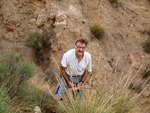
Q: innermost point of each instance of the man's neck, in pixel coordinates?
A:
(79, 58)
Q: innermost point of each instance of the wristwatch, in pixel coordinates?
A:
(82, 81)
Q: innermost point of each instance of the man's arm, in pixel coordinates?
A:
(63, 73)
(84, 76)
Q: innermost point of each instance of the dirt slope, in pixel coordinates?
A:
(125, 25)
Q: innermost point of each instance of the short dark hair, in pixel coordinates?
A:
(83, 41)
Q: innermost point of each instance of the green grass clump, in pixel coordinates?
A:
(107, 102)
(146, 45)
(97, 30)
(113, 1)
(5, 101)
(14, 71)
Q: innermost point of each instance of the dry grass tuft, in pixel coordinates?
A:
(97, 30)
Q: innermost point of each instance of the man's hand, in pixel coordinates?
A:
(71, 85)
(79, 85)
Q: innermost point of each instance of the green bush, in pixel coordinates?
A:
(113, 1)
(97, 30)
(14, 71)
(35, 41)
(5, 106)
(38, 42)
(146, 45)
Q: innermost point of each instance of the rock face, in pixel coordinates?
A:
(69, 20)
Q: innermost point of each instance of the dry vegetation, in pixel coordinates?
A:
(97, 30)
(117, 99)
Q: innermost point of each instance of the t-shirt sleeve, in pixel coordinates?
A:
(89, 66)
(64, 61)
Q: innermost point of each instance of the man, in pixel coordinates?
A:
(75, 65)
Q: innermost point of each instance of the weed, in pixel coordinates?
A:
(97, 30)
(146, 45)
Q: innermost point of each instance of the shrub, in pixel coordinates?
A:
(35, 41)
(14, 71)
(97, 30)
(113, 1)
(33, 96)
(20, 97)
(40, 44)
(38, 41)
(50, 76)
(146, 45)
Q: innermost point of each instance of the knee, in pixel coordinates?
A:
(57, 98)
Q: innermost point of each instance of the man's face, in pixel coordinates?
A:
(80, 48)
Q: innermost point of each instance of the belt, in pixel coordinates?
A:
(74, 79)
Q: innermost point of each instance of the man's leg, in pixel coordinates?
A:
(54, 104)
(79, 94)
(59, 94)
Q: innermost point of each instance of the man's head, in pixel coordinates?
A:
(80, 46)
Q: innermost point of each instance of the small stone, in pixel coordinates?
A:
(37, 110)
